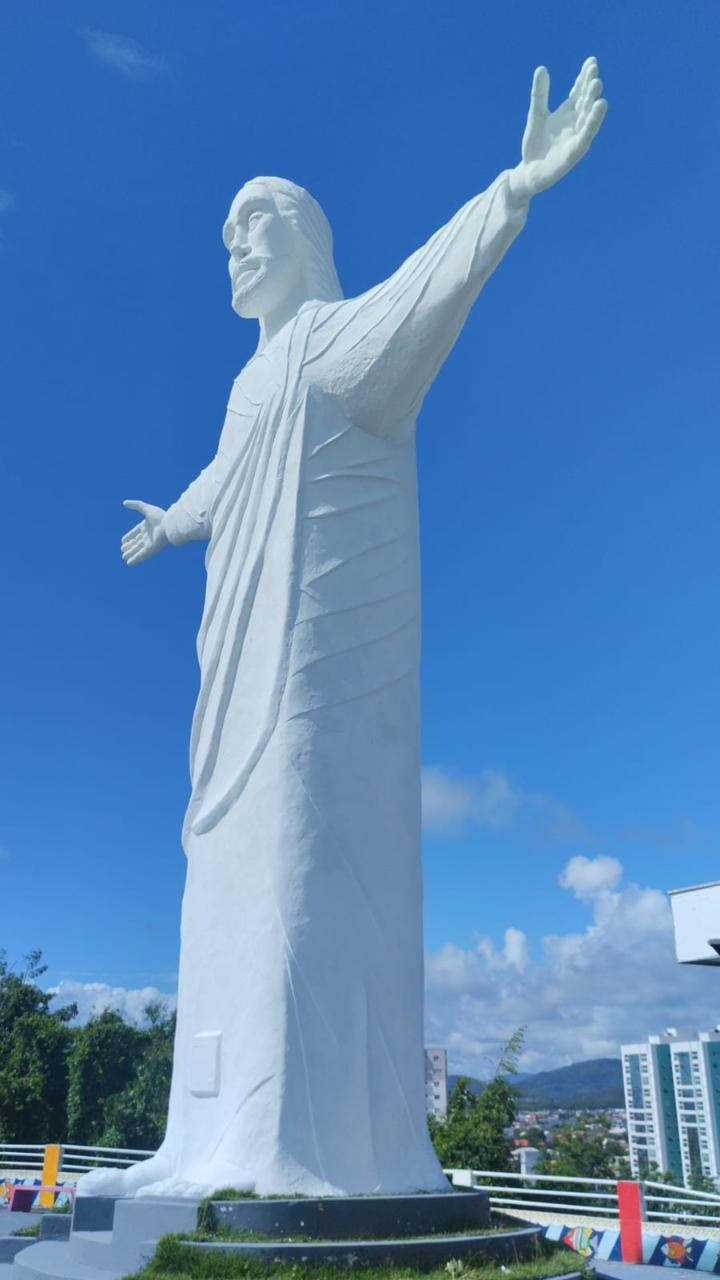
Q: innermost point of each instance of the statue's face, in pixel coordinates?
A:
(266, 263)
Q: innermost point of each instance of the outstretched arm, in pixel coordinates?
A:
(379, 353)
(187, 520)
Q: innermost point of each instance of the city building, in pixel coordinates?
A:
(653, 1134)
(672, 1098)
(436, 1083)
(696, 1073)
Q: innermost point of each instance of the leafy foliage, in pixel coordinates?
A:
(104, 1084)
(473, 1134)
(34, 1044)
(582, 1151)
(120, 1080)
(101, 1064)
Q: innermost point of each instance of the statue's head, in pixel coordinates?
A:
(280, 244)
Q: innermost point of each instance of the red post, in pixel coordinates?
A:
(631, 1207)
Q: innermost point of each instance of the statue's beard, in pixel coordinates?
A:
(247, 284)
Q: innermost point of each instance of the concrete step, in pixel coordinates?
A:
(140, 1223)
(51, 1261)
(92, 1248)
(109, 1255)
(10, 1246)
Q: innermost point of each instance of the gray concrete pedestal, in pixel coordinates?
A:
(110, 1238)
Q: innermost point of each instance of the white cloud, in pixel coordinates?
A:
(92, 998)
(446, 802)
(492, 800)
(589, 878)
(125, 55)
(586, 993)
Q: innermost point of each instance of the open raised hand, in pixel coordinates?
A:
(554, 141)
(146, 538)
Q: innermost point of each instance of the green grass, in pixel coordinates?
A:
(28, 1231)
(173, 1261)
(232, 1193)
(209, 1232)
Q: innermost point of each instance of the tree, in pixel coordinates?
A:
(137, 1116)
(535, 1136)
(104, 1084)
(473, 1134)
(34, 1044)
(580, 1151)
(103, 1061)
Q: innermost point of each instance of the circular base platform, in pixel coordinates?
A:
(414, 1250)
(358, 1216)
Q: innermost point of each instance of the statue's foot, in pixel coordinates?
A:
(198, 1180)
(174, 1188)
(124, 1182)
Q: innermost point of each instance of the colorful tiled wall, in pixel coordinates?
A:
(658, 1250)
(7, 1184)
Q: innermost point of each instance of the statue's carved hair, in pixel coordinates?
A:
(307, 217)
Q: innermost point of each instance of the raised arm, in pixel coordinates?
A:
(187, 520)
(380, 353)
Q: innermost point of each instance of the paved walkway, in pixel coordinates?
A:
(627, 1270)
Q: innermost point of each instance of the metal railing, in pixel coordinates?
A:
(546, 1192)
(519, 1193)
(21, 1156)
(29, 1157)
(676, 1204)
(588, 1197)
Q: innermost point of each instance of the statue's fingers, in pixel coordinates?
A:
(132, 504)
(540, 92)
(597, 114)
(135, 537)
(588, 71)
(592, 91)
(588, 130)
(134, 532)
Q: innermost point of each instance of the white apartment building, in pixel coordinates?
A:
(436, 1083)
(672, 1099)
(696, 1075)
(653, 1135)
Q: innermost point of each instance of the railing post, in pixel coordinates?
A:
(50, 1171)
(631, 1207)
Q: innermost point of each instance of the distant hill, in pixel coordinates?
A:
(591, 1084)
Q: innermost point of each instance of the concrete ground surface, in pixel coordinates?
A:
(10, 1222)
(630, 1271)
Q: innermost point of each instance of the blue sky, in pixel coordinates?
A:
(568, 467)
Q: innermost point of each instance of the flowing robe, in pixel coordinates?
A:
(299, 1052)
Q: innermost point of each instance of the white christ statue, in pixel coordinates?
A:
(298, 1063)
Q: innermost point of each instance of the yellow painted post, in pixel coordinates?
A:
(51, 1170)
